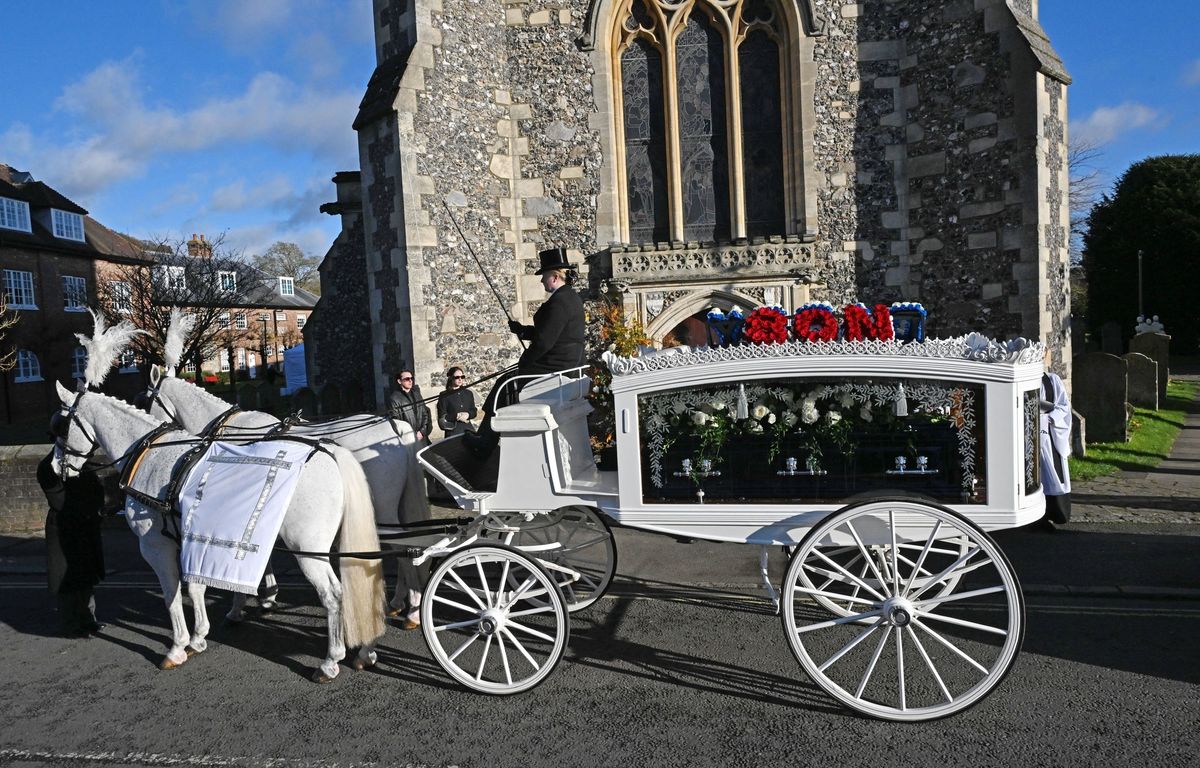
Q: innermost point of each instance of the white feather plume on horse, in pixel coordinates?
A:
(178, 329)
(104, 346)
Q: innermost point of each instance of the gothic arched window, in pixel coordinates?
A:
(701, 91)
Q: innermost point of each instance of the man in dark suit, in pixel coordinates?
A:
(555, 342)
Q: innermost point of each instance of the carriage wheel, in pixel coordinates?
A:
(586, 546)
(852, 560)
(494, 619)
(913, 649)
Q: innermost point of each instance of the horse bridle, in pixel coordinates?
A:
(155, 393)
(60, 427)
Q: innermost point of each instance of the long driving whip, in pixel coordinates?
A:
(482, 271)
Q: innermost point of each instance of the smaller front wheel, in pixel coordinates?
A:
(494, 619)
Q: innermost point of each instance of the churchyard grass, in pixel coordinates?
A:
(1152, 434)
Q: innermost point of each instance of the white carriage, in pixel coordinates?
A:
(878, 466)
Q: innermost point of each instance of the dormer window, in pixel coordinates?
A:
(67, 225)
(227, 281)
(287, 286)
(14, 214)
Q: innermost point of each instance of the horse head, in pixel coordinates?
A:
(74, 439)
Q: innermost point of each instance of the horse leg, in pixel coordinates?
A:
(237, 609)
(406, 600)
(198, 642)
(267, 591)
(167, 571)
(321, 575)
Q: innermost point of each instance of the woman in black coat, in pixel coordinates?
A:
(456, 404)
(74, 553)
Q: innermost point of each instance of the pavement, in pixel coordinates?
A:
(1140, 532)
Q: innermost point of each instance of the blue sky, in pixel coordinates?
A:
(230, 116)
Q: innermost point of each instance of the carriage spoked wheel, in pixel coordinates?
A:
(494, 619)
(830, 581)
(937, 621)
(584, 545)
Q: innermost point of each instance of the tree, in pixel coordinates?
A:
(1086, 185)
(1154, 209)
(201, 277)
(8, 356)
(288, 260)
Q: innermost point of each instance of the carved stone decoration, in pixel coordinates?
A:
(815, 23)
(683, 264)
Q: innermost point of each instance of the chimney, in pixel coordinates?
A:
(199, 248)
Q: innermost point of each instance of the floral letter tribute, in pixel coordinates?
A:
(766, 325)
(861, 323)
(815, 322)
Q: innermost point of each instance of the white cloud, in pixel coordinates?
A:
(267, 193)
(1191, 77)
(1107, 123)
(118, 134)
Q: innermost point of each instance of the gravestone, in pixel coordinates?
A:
(1110, 338)
(1099, 391)
(352, 399)
(1143, 380)
(330, 400)
(304, 401)
(1155, 346)
(247, 396)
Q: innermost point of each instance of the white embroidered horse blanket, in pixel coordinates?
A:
(232, 506)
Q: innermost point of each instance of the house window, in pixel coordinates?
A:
(223, 320)
(171, 278)
(121, 294)
(67, 225)
(227, 281)
(239, 321)
(14, 214)
(287, 286)
(189, 367)
(241, 359)
(703, 155)
(18, 286)
(28, 367)
(223, 357)
(127, 363)
(74, 293)
(78, 363)
(281, 317)
(301, 320)
(263, 316)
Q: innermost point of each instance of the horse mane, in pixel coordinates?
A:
(178, 329)
(104, 346)
(126, 409)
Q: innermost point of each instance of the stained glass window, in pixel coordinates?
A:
(645, 143)
(704, 171)
(762, 134)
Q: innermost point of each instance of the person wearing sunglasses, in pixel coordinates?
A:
(456, 404)
(405, 403)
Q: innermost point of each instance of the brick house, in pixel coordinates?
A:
(52, 256)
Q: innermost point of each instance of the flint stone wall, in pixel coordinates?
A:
(927, 181)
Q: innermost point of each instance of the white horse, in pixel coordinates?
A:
(386, 448)
(331, 493)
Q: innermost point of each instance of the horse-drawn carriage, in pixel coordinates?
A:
(877, 466)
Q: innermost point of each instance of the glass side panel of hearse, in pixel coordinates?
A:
(813, 441)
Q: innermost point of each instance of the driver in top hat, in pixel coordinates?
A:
(555, 339)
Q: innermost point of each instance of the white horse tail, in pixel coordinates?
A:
(362, 580)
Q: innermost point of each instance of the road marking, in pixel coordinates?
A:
(154, 759)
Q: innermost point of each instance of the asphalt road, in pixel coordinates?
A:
(682, 665)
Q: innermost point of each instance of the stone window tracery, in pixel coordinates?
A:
(702, 93)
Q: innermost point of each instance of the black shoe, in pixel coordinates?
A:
(95, 628)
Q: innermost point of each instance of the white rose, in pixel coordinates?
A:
(846, 400)
(699, 418)
(759, 411)
(834, 417)
(755, 428)
(790, 419)
(771, 419)
(865, 413)
(809, 413)
(717, 405)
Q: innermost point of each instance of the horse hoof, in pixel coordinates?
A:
(358, 665)
(166, 663)
(320, 677)
(190, 651)
(235, 620)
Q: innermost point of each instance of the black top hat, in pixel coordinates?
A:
(553, 258)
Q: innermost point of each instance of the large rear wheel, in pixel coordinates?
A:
(926, 623)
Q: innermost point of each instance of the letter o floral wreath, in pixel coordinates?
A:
(766, 325)
(815, 324)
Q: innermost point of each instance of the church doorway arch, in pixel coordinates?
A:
(684, 321)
